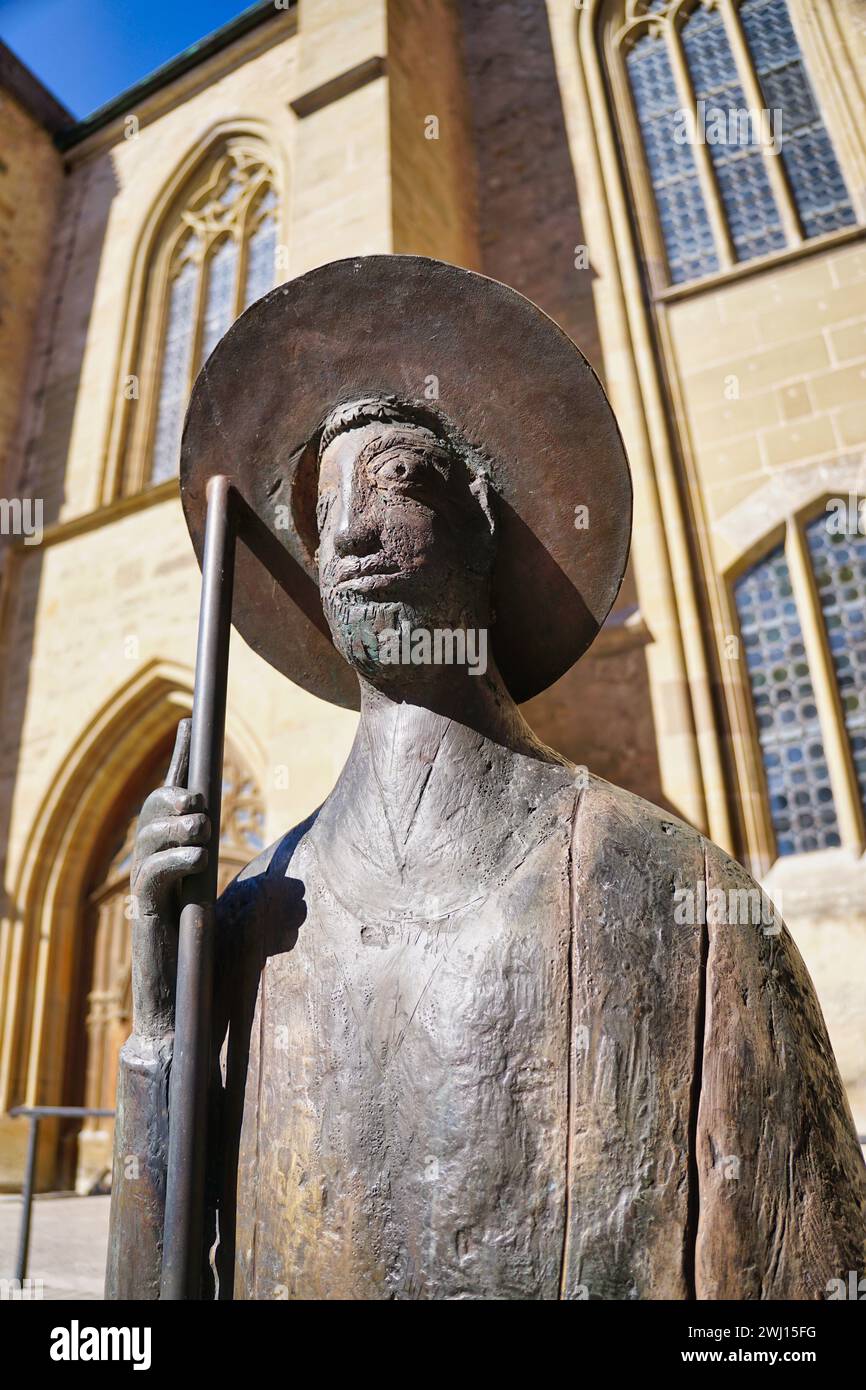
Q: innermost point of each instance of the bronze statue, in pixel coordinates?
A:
(470, 1040)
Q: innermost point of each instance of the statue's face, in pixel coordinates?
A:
(402, 538)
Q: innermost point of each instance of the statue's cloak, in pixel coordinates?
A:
(591, 1082)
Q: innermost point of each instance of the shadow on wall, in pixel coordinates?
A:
(530, 229)
(599, 714)
(529, 221)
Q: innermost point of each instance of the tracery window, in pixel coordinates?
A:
(738, 157)
(214, 257)
(839, 562)
(802, 808)
(814, 583)
(810, 162)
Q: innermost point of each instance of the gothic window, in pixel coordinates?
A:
(744, 188)
(810, 162)
(822, 591)
(215, 256)
(673, 172)
(176, 358)
(798, 782)
(738, 158)
(242, 820)
(839, 563)
(261, 247)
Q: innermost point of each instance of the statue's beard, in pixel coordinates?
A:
(363, 633)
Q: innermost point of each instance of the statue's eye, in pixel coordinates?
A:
(401, 468)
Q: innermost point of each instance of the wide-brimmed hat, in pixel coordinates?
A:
(510, 382)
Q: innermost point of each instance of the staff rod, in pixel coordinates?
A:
(182, 1256)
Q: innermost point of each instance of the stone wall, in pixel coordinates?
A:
(31, 179)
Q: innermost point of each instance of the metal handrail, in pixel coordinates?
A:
(35, 1113)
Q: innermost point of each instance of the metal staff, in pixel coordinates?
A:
(190, 1068)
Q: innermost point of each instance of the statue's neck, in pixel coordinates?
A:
(435, 790)
(475, 714)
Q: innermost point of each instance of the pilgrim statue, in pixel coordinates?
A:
(470, 1041)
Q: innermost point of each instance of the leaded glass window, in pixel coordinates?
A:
(802, 808)
(810, 162)
(681, 210)
(839, 565)
(176, 357)
(261, 248)
(720, 93)
(220, 252)
(744, 188)
(219, 306)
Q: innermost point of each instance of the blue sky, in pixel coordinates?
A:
(88, 51)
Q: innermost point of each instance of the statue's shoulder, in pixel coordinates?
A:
(614, 822)
(618, 807)
(654, 856)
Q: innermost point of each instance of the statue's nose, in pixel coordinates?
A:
(359, 535)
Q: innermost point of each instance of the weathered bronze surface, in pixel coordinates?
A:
(471, 1044)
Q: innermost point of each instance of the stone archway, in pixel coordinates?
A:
(100, 1006)
(101, 1014)
(70, 832)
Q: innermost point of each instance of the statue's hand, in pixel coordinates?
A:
(170, 844)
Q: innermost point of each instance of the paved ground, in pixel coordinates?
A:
(68, 1239)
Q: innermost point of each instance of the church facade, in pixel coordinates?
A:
(681, 184)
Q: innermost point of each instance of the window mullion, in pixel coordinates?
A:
(207, 243)
(656, 249)
(703, 161)
(757, 823)
(242, 233)
(755, 97)
(837, 748)
(150, 365)
(240, 271)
